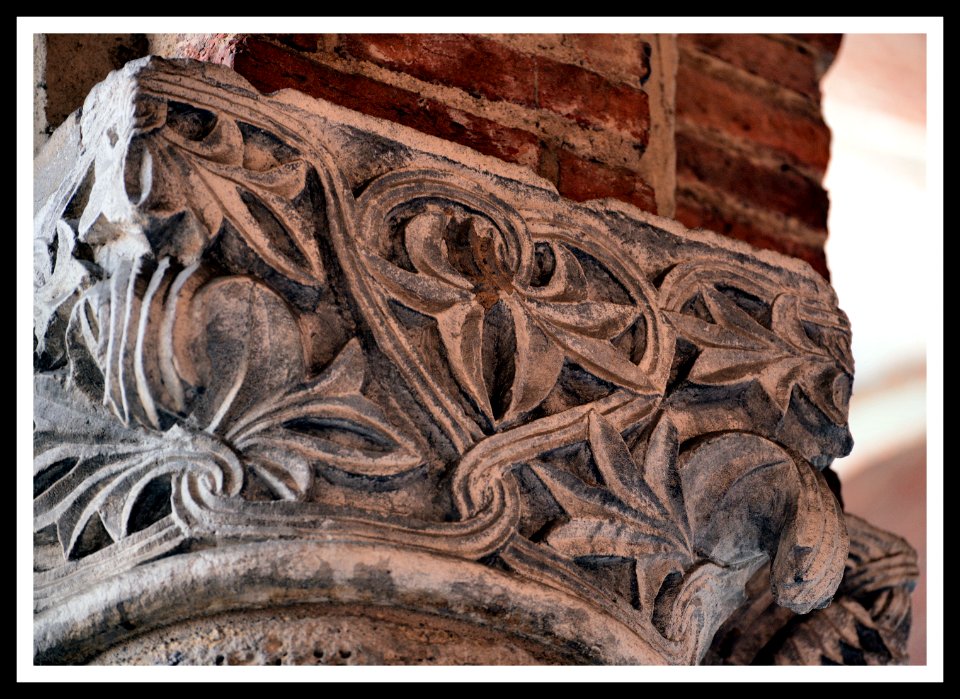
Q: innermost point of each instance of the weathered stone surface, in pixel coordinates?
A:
(299, 370)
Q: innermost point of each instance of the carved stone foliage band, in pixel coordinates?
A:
(270, 320)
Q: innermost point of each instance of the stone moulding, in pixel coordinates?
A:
(295, 364)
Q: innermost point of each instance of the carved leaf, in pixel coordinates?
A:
(602, 358)
(746, 497)
(813, 547)
(599, 319)
(461, 329)
(200, 170)
(605, 537)
(87, 465)
(326, 421)
(736, 349)
(866, 624)
(634, 515)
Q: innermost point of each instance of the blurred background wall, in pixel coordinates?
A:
(874, 100)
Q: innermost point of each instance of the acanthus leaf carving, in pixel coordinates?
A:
(725, 505)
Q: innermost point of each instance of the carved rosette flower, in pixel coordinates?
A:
(495, 291)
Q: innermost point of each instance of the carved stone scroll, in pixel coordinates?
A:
(297, 369)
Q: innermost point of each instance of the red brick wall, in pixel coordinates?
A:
(752, 146)
(570, 107)
(592, 113)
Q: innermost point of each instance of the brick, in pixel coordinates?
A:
(302, 42)
(694, 213)
(793, 66)
(781, 189)
(486, 68)
(828, 44)
(213, 48)
(479, 66)
(580, 179)
(270, 67)
(591, 100)
(710, 101)
(625, 56)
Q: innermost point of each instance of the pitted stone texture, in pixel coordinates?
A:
(330, 636)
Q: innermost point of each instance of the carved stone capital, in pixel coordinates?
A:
(298, 370)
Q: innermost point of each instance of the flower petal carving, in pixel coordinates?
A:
(466, 268)
(537, 363)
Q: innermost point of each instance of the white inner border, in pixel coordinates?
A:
(930, 283)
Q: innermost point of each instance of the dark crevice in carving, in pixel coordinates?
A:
(394, 247)
(540, 510)
(767, 654)
(833, 481)
(872, 642)
(80, 198)
(685, 356)
(137, 170)
(93, 538)
(576, 381)
(851, 655)
(272, 229)
(613, 573)
(495, 561)
(343, 432)
(664, 601)
(233, 255)
(50, 475)
(263, 150)
(193, 123)
(499, 350)
(600, 280)
(372, 484)
(544, 264)
(151, 505)
(696, 307)
(755, 307)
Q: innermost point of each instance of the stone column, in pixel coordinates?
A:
(315, 387)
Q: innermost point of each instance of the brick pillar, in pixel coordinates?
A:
(744, 156)
(752, 146)
(573, 108)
